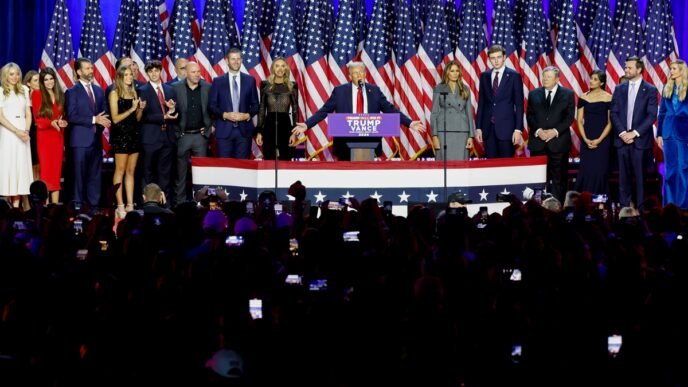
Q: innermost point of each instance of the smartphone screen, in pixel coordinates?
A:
(614, 345)
(212, 191)
(350, 236)
(278, 208)
(294, 246)
(234, 240)
(249, 208)
(317, 285)
(255, 308)
(599, 198)
(293, 279)
(82, 254)
(516, 353)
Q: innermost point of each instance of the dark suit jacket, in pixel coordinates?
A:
(644, 114)
(340, 102)
(506, 107)
(673, 120)
(221, 101)
(80, 114)
(559, 116)
(153, 116)
(180, 89)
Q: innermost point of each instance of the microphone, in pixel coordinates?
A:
(360, 83)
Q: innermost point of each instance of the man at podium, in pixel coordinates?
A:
(355, 97)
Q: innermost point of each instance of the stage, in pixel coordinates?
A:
(401, 182)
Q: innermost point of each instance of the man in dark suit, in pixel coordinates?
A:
(634, 110)
(233, 102)
(194, 123)
(355, 97)
(85, 107)
(158, 138)
(551, 110)
(499, 120)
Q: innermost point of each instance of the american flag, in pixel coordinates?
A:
(58, 52)
(126, 29)
(345, 44)
(520, 8)
(587, 9)
(168, 70)
(416, 21)
(315, 76)
(586, 15)
(149, 42)
(94, 46)
(660, 42)
(627, 41)
(182, 30)
(408, 94)
(472, 50)
(600, 37)
(214, 42)
(231, 24)
(453, 23)
(503, 33)
(252, 44)
(298, 9)
(434, 52)
(377, 57)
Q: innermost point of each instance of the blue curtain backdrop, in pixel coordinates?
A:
(24, 24)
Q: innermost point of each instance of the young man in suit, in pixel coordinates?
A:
(158, 138)
(194, 124)
(551, 110)
(634, 110)
(85, 109)
(355, 97)
(499, 122)
(234, 102)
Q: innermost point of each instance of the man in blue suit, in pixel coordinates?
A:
(233, 101)
(634, 110)
(158, 139)
(500, 107)
(355, 97)
(85, 108)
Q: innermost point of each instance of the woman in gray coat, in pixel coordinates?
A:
(451, 105)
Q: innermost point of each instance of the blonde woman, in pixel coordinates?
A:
(278, 111)
(126, 109)
(451, 111)
(672, 135)
(16, 172)
(48, 111)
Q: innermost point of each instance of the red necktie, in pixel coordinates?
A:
(91, 98)
(161, 99)
(359, 101)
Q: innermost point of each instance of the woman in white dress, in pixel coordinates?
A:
(16, 173)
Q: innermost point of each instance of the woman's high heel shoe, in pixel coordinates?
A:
(130, 208)
(120, 212)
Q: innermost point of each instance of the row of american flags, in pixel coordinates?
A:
(405, 45)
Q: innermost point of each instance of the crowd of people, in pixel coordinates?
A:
(169, 123)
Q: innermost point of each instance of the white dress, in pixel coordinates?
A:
(16, 174)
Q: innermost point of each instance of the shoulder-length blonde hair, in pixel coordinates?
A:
(4, 74)
(287, 75)
(463, 90)
(46, 109)
(121, 89)
(669, 88)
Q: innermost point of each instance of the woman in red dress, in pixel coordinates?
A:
(48, 108)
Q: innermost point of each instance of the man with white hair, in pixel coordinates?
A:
(355, 97)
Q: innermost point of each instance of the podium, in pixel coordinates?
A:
(363, 132)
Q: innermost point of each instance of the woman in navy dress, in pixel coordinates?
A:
(672, 135)
(594, 125)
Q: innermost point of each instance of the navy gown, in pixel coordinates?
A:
(593, 172)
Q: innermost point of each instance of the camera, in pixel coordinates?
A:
(234, 240)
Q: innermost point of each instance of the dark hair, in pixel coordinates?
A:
(601, 75)
(46, 109)
(638, 63)
(153, 64)
(78, 63)
(496, 48)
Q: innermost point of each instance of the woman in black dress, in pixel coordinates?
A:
(594, 125)
(278, 111)
(126, 109)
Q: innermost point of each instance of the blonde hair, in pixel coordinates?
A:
(287, 76)
(463, 90)
(4, 74)
(669, 88)
(120, 87)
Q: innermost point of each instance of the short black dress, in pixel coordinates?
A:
(125, 136)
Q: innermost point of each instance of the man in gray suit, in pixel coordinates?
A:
(194, 123)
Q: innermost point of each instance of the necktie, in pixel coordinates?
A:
(631, 104)
(235, 94)
(495, 83)
(549, 98)
(91, 98)
(359, 101)
(161, 99)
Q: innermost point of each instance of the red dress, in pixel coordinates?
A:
(49, 144)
